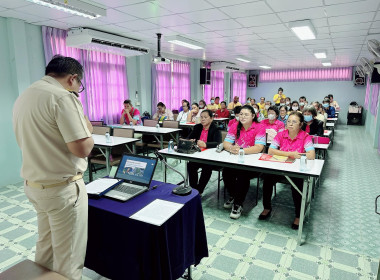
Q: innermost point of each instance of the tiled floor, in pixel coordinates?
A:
(342, 236)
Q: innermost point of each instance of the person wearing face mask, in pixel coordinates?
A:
(333, 102)
(283, 117)
(311, 124)
(330, 110)
(207, 135)
(288, 103)
(258, 114)
(282, 102)
(212, 106)
(294, 108)
(234, 103)
(236, 119)
(291, 142)
(248, 101)
(249, 135)
(202, 104)
(320, 113)
(277, 97)
(265, 110)
(272, 125)
(302, 103)
(253, 101)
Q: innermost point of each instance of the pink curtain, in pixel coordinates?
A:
(216, 88)
(367, 93)
(374, 99)
(105, 76)
(161, 85)
(299, 75)
(181, 84)
(239, 85)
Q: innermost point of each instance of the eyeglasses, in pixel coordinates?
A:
(292, 122)
(81, 88)
(245, 115)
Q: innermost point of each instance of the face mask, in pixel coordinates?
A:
(237, 118)
(212, 101)
(267, 107)
(201, 106)
(302, 104)
(326, 105)
(287, 102)
(308, 118)
(294, 108)
(282, 104)
(288, 107)
(271, 117)
(255, 110)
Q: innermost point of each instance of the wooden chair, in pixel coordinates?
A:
(101, 130)
(30, 270)
(97, 123)
(130, 133)
(175, 116)
(149, 122)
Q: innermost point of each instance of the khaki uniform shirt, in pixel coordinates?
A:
(232, 105)
(46, 117)
(213, 106)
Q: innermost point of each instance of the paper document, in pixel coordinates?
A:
(157, 212)
(100, 185)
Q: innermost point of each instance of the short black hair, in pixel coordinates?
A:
(326, 100)
(195, 103)
(61, 66)
(207, 111)
(127, 101)
(275, 109)
(303, 97)
(224, 102)
(187, 103)
(283, 106)
(237, 110)
(330, 95)
(311, 109)
(298, 114)
(280, 89)
(217, 97)
(160, 104)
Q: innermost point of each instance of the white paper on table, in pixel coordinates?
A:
(157, 212)
(100, 185)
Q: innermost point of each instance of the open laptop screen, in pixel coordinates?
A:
(136, 169)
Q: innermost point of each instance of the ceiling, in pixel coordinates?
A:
(256, 30)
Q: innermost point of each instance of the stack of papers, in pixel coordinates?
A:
(99, 186)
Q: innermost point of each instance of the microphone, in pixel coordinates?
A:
(180, 190)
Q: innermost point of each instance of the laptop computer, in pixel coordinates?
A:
(135, 174)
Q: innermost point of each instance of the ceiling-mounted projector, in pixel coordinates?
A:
(159, 59)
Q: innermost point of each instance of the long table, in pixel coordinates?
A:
(252, 163)
(120, 247)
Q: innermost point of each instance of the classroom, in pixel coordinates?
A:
(247, 131)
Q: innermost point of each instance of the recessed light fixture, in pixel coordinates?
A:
(304, 29)
(243, 59)
(320, 54)
(185, 42)
(326, 63)
(75, 7)
(265, 67)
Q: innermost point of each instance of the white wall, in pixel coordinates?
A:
(344, 92)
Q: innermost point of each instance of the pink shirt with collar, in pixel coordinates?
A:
(277, 125)
(248, 138)
(302, 143)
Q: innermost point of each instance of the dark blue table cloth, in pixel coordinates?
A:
(122, 248)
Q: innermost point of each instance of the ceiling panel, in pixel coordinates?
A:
(137, 25)
(248, 9)
(311, 13)
(352, 8)
(288, 5)
(118, 3)
(114, 16)
(350, 27)
(270, 28)
(12, 4)
(221, 24)
(189, 28)
(145, 10)
(205, 15)
(167, 21)
(241, 32)
(350, 19)
(258, 20)
(185, 6)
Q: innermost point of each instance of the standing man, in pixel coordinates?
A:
(55, 139)
(277, 97)
(234, 103)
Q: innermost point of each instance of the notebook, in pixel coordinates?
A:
(135, 174)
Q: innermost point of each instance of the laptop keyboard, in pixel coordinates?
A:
(128, 189)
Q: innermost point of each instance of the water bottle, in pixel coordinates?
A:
(241, 156)
(171, 146)
(108, 138)
(158, 127)
(303, 163)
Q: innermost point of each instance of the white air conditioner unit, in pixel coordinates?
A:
(224, 66)
(90, 39)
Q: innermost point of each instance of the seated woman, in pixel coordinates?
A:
(321, 115)
(312, 125)
(295, 107)
(330, 110)
(272, 125)
(292, 142)
(283, 117)
(207, 135)
(202, 104)
(130, 115)
(258, 114)
(195, 114)
(182, 116)
(235, 120)
(163, 113)
(248, 135)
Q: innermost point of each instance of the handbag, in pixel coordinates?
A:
(186, 146)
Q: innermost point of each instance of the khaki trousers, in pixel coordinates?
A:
(62, 227)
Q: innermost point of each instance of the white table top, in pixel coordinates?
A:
(327, 133)
(330, 124)
(321, 146)
(187, 124)
(314, 166)
(220, 119)
(332, 119)
(149, 129)
(100, 140)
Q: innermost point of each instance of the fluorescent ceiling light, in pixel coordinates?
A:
(326, 63)
(320, 54)
(75, 7)
(265, 67)
(243, 59)
(185, 42)
(303, 29)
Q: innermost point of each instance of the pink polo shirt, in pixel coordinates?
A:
(248, 138)
(277, 125)
(302, 143)
(204, 135)
(232, 122)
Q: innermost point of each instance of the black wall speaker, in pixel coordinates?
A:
(375, 78)
(205, 76)
(252, 80)
(359, 81)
